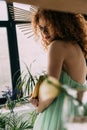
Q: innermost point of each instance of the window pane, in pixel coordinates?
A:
(31, 53)
(3, 11)
(5, 74)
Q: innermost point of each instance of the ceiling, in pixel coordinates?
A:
(78, 6)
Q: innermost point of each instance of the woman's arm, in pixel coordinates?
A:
(56, 57)
(55, 63)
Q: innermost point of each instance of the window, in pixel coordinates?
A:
(24, 50)
(3, 11)
(5, 74)
(31, 53)
(30, 50)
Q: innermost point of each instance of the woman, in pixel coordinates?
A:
(65, 37)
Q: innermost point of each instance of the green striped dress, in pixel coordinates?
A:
(51, 118)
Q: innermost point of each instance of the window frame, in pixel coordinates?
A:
(13, 49)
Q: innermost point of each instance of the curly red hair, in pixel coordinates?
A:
(68, 26)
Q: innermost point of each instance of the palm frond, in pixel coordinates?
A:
(20, 14)
(3, 120)
(18, 122)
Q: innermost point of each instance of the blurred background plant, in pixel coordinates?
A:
(19, 121)
(16, 121)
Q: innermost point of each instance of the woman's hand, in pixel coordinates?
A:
(80, 95)
(34, 101)
(40, 105)
(43, 105)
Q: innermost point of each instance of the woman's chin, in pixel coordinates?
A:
(48, 41)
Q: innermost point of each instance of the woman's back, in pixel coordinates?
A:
(75, 64)
(73, 61)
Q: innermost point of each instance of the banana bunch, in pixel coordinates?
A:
(37, 86)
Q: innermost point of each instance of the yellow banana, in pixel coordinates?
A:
(36, 90)
(37, 86)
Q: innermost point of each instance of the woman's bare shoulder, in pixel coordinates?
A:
(59, 43)
(58, 47)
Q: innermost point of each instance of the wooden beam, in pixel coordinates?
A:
(78, 6)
